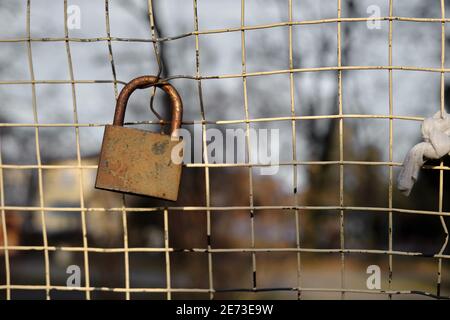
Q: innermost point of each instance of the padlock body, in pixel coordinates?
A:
(139, 162)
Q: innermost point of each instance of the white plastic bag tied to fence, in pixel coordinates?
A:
(436, 133)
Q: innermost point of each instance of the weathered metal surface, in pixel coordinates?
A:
(145, 82)
(138, 161)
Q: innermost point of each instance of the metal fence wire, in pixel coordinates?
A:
(210, 251)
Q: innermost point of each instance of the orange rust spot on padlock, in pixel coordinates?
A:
(137, 161)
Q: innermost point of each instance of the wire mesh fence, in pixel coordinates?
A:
(291, 205)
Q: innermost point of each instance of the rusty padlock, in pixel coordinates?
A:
(137, 161)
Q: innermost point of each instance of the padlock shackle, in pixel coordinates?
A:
(145, 82)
